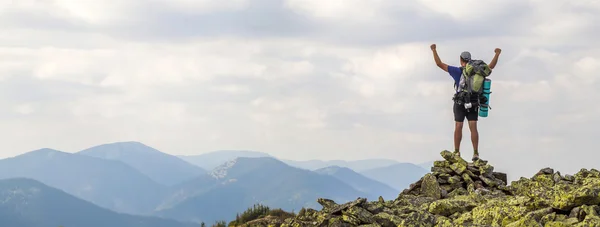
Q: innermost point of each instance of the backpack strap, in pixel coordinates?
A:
(467, 76)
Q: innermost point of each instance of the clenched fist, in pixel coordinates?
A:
(432, 46)
(497, 50)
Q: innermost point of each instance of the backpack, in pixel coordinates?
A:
(470, 86)
(473, 75)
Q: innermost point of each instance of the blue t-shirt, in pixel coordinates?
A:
(455, 72)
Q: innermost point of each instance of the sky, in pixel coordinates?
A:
(300, 79)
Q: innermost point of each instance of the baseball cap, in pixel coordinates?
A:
(465, 55)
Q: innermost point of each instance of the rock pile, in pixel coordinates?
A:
(458, 193)
(454, 176)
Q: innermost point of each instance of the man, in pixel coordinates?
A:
(460, 112)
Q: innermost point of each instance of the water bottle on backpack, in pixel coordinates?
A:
(483, 109)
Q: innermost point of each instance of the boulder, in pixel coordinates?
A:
(430, 187)
(447, 207)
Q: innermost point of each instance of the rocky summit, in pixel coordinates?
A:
(460, 193)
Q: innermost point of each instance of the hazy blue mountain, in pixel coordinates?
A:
(160, 167)
(189, 189)
(426, 165)
(361, 183)
(242, 182)
(30, 203)
(107, 183)
(213, 159)
(399, 176)
(357, 165)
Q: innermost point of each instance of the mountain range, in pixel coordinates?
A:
(110, 184)
(163, 168)
(396, 174)
(27, 202)
(356, 165)
(399, 175)
(242, 182)
(371, 187)
(135, 179)
(214, 159)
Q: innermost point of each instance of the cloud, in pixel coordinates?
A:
(299, 78)
(373, 23)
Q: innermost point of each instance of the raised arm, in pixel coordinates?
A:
(495, 59)
(438, 62)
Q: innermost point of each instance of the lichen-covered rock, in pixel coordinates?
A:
(386, 219)
(430, 187)
(447, 207)
(526, 221)
(587, 194)
(267, 221)
(418, 218)
(375, 207)
(411, 201)
(359, 214)
(459, 193)
(458, 167)
(548, 218)
(497, 213)
(501, 176)
(452, 158)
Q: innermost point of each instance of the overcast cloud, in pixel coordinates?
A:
(300, 79)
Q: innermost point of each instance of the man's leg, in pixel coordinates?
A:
(459, 118)
(474, 136)
(458, 127)
(472, 118)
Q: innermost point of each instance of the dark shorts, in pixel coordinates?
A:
(460, 113)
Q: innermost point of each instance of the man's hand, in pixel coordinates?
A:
(494, 61)
(438, 62)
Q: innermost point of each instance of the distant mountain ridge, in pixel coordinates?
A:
(399, 176)
(30, 203)
(160, 167)
(426, 165)
(242, 182)
(213, 159)
(361, 183)
(356, 165)
(110, 184)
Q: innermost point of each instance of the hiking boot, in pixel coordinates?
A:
(456, 153)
